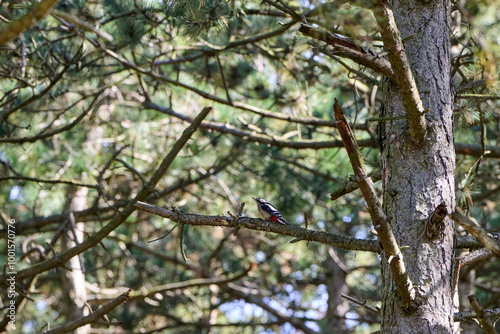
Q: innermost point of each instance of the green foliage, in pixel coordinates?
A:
(188, 52)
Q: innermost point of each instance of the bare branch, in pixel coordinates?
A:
(403, 283)
(35, 14)
(351, 186)
(402, 71)
(480, 234)
(466, 315)
(34, 179)
(92, 317)
(348, 49)
(480, 316)
(256, 137)
(147, 292)
(261, 225)
(118, 219)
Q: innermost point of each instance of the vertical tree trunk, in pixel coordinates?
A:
(418, 177)
(74, 281)
(336, 273)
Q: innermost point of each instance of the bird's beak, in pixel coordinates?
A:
(254, 198)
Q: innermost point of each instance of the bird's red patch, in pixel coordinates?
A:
(274, 219)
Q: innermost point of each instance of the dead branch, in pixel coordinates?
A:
(391, 249)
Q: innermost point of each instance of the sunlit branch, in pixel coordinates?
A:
(59, 259)
(34, 179)
(474, 229)
(34, 14)
(92, 317)
(390, 247)
(256, 137)
(467, 315)
(403, 76)
(208, 96)
(348, 49)
(148, 292)
(351, 186)
(261, 225)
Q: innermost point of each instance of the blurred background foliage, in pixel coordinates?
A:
(73, 112)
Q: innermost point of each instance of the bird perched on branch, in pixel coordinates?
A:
(268, 211)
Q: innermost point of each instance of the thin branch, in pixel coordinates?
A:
(477, 150)
(196, 282)
(78, 23)
(118, 219)
(348, 49)
(256, 137)
(34, 179)
(261, 225)
(480, 316)
(362, 304)
(92, 317)
(478, 97)
(402, 281)
(351, 186)
(35, 14)
(402, 71)
(466, 315)
(6, 112)
(474, 229)
(235, 104)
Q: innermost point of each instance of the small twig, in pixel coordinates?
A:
(224, 81)
(350, 186)
(481, 318)
(240, 210)
(181, 245)
(94, 316)
(133, 170)
(480, 234)
(362, 304)
(170, 231)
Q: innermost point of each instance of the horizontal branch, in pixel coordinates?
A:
(477, 150)
(480, 234)
(59, 259)
(147, 292)
(348, 49)
(258, 224)
(351, 186)
(256, 137)
(467, 315)
(34, 14)
(34, 179)
(208, 96)
(92, 317)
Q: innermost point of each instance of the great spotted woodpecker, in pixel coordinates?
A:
(268, 211)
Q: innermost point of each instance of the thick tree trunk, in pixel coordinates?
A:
(419, 177)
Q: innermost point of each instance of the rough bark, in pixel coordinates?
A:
(417, 178)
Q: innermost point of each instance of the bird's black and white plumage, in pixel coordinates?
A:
(268, 211)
